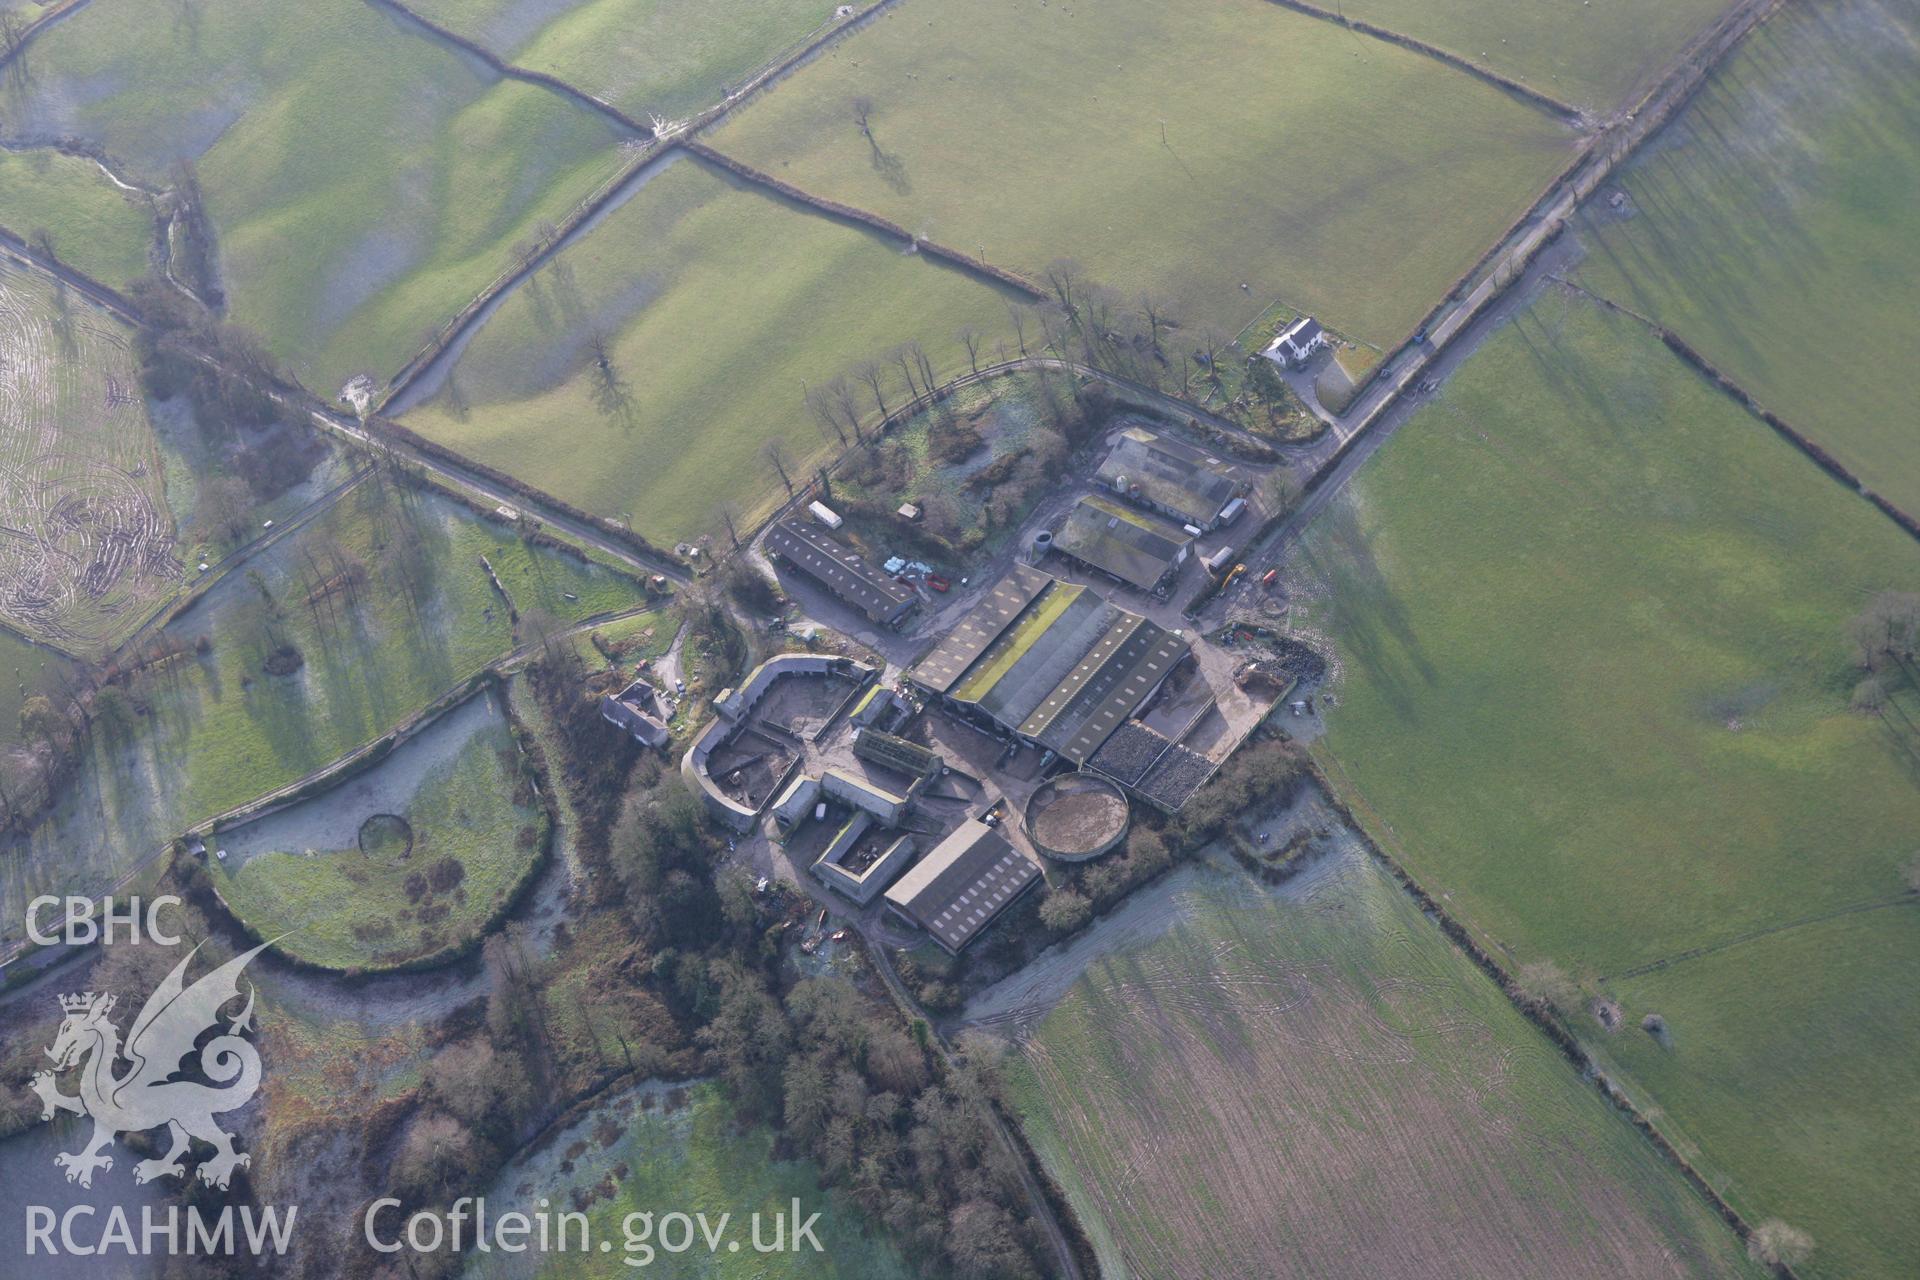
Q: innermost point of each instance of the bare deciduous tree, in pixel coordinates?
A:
(775, 455)
(970, 339)
(1063, 277)
(873, 373)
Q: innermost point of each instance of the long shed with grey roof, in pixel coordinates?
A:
(962, 884)
(841, 570)
(940, 670)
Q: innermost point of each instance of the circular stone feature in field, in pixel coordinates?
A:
(386, 837)
(1076, 817)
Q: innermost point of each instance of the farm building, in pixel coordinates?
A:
(1050, 662)
(1296, 343)
(962, 883)
(637, 710)
(850, 870)
(889, 752)
(841, 570)
(1138, 549)
(1170, 477)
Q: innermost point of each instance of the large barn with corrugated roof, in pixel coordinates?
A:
(1050, 662)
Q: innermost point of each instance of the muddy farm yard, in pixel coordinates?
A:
(1090, 638)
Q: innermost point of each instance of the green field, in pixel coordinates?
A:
(364, 180)
(386, 602)
(647, 57)
(25, 670)
(657, 1150)
(90, 547)
(715, 303)
(1592, 56)
(1340, 175)
(472, 830)
(1319, 1085)
(1593, 616)
(1777, 230)
(96, 227)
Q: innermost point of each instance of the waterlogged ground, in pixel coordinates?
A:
(460, 828)
(661, 1149)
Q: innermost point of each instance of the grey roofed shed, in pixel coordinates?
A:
(962, 883)
(836, 566)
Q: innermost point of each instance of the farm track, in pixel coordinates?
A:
(1016, 1150)
(1525, 93)
(1512, 267)
(453, 470)
(1754, 935)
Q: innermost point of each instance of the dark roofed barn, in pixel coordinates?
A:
(1140, 550)
(841, 570)
(1170, 477)
(962, 883)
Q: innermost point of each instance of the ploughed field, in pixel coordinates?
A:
(1318, 1084)
(1595, 622)
(88, 541)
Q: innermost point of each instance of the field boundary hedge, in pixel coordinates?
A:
(1542, 1017)
(1533, 97)
(513, 71)
(849, 213)
(1786, 431)
(27, 33)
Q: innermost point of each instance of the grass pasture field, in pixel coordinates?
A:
(385, 602)
(1317, 1084)
(89, 544)
(97, 228)
(1594, 616)
(1591, 56)
(715, 302)
(364, 179)
(1776, 228)
(653, 1146)
(1182, 150)
(413, 858)
(647, 57)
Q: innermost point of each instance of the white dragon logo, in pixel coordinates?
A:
(147, 1096)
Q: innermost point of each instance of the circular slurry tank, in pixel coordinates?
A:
(1076, 816)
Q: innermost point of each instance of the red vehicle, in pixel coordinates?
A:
(938, 583)
(1270, 577)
